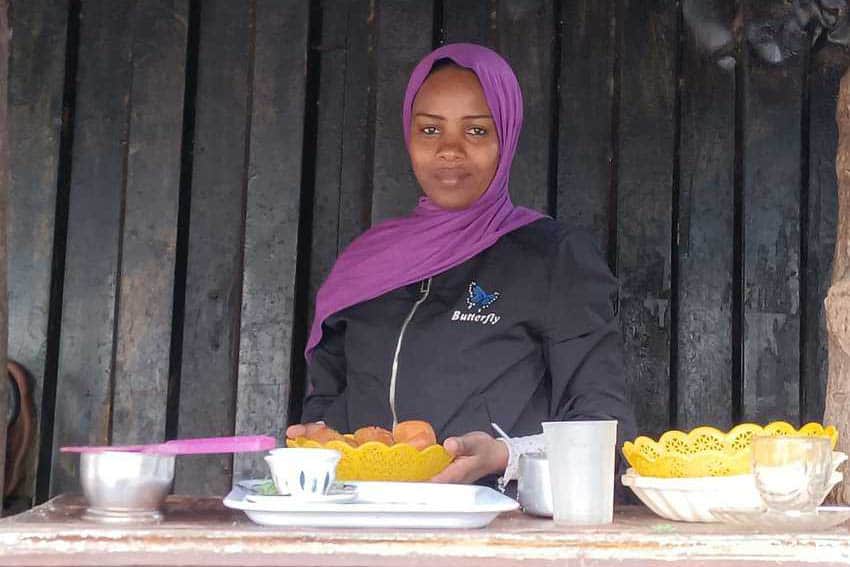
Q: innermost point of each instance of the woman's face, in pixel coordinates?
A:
(453, 145)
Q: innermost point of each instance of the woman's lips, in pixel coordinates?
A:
(450, 175)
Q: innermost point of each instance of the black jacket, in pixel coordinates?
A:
(522, 333)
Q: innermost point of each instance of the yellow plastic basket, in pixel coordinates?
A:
(376, 461)
(706, 451)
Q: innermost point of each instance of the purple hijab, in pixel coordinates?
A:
(431, 240)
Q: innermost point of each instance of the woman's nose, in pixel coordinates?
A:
(450, 148)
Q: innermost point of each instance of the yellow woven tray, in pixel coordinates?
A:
(376, 461)
(706, 451)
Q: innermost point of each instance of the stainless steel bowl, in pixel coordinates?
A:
(125, 487)
(534, 491)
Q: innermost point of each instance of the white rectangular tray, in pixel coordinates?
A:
(382, 505)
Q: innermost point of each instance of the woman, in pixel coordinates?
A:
(469, 311)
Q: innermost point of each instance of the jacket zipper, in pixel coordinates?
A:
(424, 289)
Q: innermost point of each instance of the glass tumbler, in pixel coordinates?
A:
(791, 473)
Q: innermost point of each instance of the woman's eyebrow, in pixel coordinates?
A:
(469, 117)
(427, 115)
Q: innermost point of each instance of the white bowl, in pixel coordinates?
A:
(303, 472)
(691, 499)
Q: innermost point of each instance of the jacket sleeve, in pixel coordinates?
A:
(326, 380)
(584, 346)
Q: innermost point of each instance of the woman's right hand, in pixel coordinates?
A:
(303, 429)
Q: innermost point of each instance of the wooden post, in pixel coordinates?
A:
(838, 298)
(4, 200)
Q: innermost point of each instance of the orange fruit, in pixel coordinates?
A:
(418, 434)
(379, 434)
(321, 433)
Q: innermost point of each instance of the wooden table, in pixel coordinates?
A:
(200, 531)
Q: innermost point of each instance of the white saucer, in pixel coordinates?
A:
(822, 518)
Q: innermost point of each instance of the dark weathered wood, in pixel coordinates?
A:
(469, 21)
(271, 225)
(356, 155)
(647, 47)
(826, 68)
(150, 221)
(342, 195)
(37, 61)
(85, 373)
(525, 37)
(216, 227)
(585, 143)
(771, 225)
(326, 209)
(4, 206)
(403, 37)
(706, 215)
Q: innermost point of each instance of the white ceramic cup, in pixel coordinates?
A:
(303, 472)
(581, 470)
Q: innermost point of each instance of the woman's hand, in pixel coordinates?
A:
(476, 454)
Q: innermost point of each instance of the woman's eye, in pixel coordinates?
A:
(429, 130)
(477, 131)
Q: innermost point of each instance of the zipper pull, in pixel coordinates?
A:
(424, 290)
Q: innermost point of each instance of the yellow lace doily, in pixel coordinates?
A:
(376, 461)
(706, 451)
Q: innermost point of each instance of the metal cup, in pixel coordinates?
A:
(534, 491)
(125, 486)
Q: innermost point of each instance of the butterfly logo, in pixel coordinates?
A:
(479, 299)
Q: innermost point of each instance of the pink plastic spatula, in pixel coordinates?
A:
(202, 446)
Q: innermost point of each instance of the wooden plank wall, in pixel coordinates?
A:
(646, 158)
(820, 203)
(4, 207)
(272, 221)
(705, 217)
(39, 71)
(184, 173)
(92, 255)
(216, 224)
(771, 227)
(587, 115)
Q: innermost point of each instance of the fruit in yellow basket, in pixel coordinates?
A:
(321, 433)
(372, 433)
(377, 461)
(418, 434)
(373, 453)
(352, 442)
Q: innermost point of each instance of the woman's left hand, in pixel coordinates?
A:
(476, 454)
